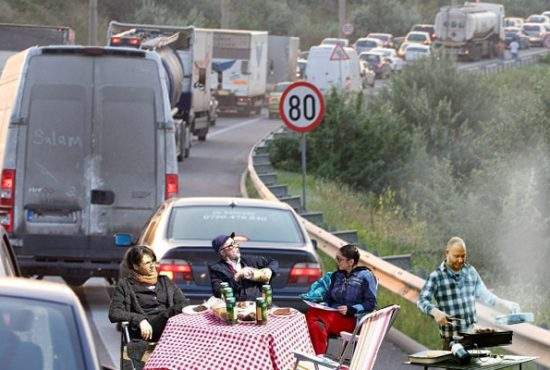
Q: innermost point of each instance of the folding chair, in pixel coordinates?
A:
(372, 329)
(133, 354)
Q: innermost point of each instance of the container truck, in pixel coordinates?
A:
(18, 37)
(471, 31)
(87, 151)
(282, 59)
(240, 69)
(186, 53)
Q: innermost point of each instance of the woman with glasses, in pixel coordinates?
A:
(143, 298)
(244, 274)
(350, 294)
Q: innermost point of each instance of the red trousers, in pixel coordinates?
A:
(322, 323)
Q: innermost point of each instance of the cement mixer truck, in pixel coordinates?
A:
(186, 54)
(471, 31)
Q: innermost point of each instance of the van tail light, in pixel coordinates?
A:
(176, 270)
(125, 41)
(7, 188)
(171, 186)
(304, 273)
(7, 196)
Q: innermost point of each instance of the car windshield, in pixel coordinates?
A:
(370, 57)
(39, 335)
(416, 50)
(531, 28)
(423, 29)
(366, 44)
(281, 87)
(537, 19)
(256, 223)
(416, 37)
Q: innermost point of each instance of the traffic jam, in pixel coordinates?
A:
(97, 143)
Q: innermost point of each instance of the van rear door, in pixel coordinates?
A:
(54, 145)
(125, 189)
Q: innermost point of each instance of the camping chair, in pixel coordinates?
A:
(133, 354)
(372, 329)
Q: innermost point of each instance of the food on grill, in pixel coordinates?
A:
(199, 308)
(484, 330)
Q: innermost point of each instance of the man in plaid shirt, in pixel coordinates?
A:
(455, 286)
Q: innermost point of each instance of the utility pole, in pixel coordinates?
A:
(92, 22)
(341, 17)
(225, 15)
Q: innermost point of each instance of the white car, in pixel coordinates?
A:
(396, 63)
(417, 51)
(418, 37)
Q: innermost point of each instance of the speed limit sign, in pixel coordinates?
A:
(302, 107)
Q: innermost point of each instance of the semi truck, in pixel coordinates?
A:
(186, 54)
(471, 31)
(240, 69)
(18, 37)
(282, 59)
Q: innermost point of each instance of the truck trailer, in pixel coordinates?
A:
(240, 69)
(282, 59)
(471, 31)
(18, 37)
(186, 53)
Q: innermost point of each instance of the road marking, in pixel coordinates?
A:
(238, 125)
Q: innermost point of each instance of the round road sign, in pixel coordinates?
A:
(347, 29)
(302, 106)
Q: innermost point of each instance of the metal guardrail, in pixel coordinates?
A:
(528, 339)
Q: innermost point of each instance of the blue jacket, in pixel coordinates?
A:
(356, 290)
(317, 290)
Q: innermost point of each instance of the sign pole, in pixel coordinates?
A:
(304, 171)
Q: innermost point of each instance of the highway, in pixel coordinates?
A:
(213, 169)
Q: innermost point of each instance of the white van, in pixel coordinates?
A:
(87, 151)
(333, 66)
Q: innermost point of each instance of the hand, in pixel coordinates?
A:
(342, 309)
(439, 316)
(146, 330)
(513, 307)
(245, 273)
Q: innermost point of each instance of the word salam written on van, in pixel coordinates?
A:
(39, 137)
(244, 216)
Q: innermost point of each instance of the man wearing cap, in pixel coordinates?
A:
(244, 274)
(455, 286)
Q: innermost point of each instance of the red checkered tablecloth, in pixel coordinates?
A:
(205, 342)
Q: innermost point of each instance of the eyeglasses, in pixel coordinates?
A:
(150, 263)
(340, 259)
(233, 245)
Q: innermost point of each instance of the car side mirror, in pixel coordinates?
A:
(314, 242)
(123, 240)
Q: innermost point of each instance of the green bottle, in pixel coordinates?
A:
(267, 294)
(231, 311)
(261, 311)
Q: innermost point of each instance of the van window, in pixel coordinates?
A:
(245, 67)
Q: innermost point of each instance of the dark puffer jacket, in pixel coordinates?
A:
(125, 306)
(356, 290)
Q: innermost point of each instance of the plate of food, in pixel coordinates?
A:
(282, 311)
(196, 309)
(246, 318)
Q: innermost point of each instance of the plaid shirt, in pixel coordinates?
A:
(455, 294)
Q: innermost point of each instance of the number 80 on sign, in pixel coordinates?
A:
(302, 107)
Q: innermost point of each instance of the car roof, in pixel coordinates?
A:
(383, 50)
(512, 29)
(369, 39)
(37, 289)
(423, 25)
(379, 34)
(373, 52)
(226, 201)
(423, 33)
(533, 24)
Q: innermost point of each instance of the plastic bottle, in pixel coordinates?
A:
(459, 352)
